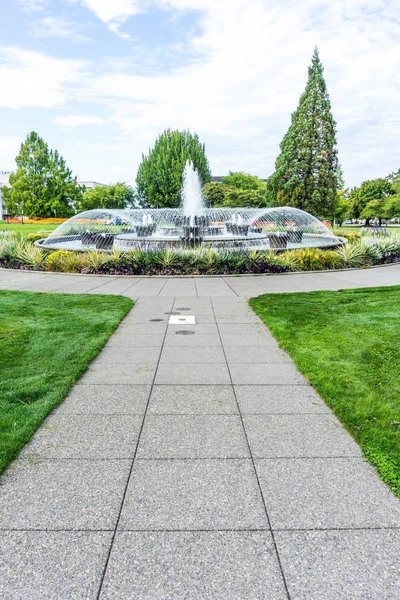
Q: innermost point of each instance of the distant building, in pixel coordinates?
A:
(4, 181)
(90, 185)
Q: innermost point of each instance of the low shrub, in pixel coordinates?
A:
(18, 252)
(34, 237)
(64, 261)
(351, 236)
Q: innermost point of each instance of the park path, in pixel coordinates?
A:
(196, 466)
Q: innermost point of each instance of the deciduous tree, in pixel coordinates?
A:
(42, 186)
(159, 178)
(118, 195)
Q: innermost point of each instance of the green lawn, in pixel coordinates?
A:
(28, 227)
(347, 344)
(46, 343)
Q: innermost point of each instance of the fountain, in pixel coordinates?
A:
(191, 226)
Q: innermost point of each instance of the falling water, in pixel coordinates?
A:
(192, 197)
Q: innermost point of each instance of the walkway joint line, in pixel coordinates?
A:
(133, 463)
(252, 462)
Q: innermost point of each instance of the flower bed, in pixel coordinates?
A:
(17, 252)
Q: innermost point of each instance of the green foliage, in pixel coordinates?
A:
(372, 200)
(18, 252)
(118, 195)
(346, 344)
(392, 206)
(42, 186)
(372, 197)
(47, 343)
(342, 207)
(34, 237)
(236, 198)
(214, 193)
(64, 261)
(244, 181)
(159, 177)
(236, 190)
(306, 174)
(352, 255)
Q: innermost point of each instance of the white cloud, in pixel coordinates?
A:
(78, 120)
(245, 68)
(33, 4)
(60, 27)
(114, 10)
(240, 94)
(31, 78)
(9, 148)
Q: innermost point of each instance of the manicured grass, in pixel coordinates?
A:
(46, 343)
(347, 344)
(27, 228)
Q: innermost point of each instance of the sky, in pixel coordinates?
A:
(100, 79)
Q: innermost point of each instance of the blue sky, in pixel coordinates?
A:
(99, 79)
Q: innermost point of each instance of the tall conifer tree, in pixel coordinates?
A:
(306, 168)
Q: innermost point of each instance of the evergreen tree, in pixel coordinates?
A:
(159, 177)
(42, 186)
(307, 167)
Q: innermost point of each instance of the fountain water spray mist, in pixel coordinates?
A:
(192, 197)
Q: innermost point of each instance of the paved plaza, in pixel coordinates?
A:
(196, 466)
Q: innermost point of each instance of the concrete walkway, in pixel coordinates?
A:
(198, 466)
(200, 287)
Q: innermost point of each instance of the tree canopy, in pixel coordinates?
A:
(236, 189)
(118, 195)
(159, 177)
(306, 174)
(376, 199)
(42, 186)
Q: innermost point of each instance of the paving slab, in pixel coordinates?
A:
(115, 374)
(239, 319)
(244, 329)
(192, 341)
(130, 356)
(106, 399)
(175, 373)
(116, 286)
(326, 494)
(266, 373)
(201, 565)
(192, 495)
(192, 436)
(128, 328)
(60, 565)
(190, 303)
(285, 436)
(63, 494)
(138, 341)
(192, 400)
(85, 436)
(196, 355)
(341, 564)
(257, 340)
(249, 355)
(279, 399)
(137, 317)
(199, 328)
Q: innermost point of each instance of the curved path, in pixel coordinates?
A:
(196, 467)
(200, 287)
